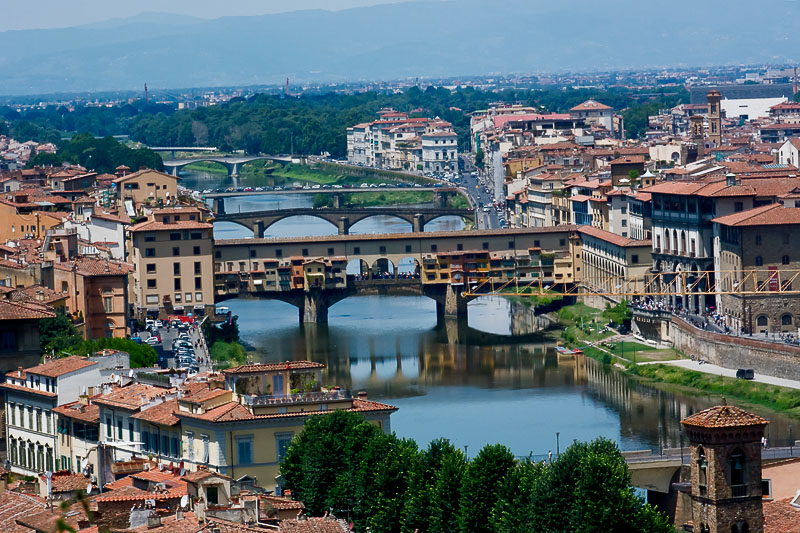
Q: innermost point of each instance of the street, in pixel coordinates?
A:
(480, 197)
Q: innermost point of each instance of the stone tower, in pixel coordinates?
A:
(725, 470)
(696, 132)
(714, 117)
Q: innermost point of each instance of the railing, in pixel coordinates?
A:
(738, 491)
(302, 397)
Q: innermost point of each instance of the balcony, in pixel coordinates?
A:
(738, 491)
(299, 398)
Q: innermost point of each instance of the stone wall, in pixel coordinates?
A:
(773, 359)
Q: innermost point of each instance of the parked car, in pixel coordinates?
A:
(745, 373)
(152, 341)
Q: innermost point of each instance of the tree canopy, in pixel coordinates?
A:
(341, 463)
(101, 155)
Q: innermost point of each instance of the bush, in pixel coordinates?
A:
(227, 354)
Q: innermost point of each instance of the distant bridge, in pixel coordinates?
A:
(233, 164)
(439, 197)
(173, 149)
(343, 218)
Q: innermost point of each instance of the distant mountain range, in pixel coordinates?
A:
(447, 38)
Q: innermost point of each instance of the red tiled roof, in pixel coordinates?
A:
(131, 397)
(58, 367)
(66, 481)
(160, 414)
(780, 516)
(46, 520)
(590, 105)
(154, 225)
(723, 416)
(20, 388)
(200, 475)
(613, 238)
(234, 411)
(627, 159)
(131, 493)
(767, 215)
(14, 505)
(273, 367)
(86, 413)
(170, 523)
(24, 311)
(313, 525)
(96, 267)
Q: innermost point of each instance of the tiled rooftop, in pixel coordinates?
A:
(58, 367)
(273, 367)
(14, 505)
(132, 397)
(160, 414)
(723, 416)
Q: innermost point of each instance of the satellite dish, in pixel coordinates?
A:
(130, 373)
(184, 500)
(89, 489)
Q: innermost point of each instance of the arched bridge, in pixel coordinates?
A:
(259, 221)
(233, 164)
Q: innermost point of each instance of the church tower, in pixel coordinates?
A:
(725, 444)
(696, 134)
(714, 117)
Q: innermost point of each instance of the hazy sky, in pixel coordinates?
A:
(61, 13)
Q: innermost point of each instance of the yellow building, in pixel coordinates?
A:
(251, 432)
(146, 187)
(15, 225)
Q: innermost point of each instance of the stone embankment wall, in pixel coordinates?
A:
(773, 359)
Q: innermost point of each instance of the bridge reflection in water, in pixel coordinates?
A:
(452, 379)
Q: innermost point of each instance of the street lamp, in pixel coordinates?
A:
(558, 450)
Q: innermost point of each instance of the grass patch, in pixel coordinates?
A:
(228, 354)
(771, 396)
(206, 166)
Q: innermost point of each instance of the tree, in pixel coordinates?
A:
(479, 156)
(323, 462)
(435, 488)
(484, 475)
(619, 314)
(58, 334)
(633, 175)
(141, 355)
(511, 514)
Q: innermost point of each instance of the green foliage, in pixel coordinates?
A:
(142, 355)
(479, 158)
(479, 494)
(225, 332)
(227, 354)
(343, 464)
(619, 314)
(101, 155)
(642, 107)
(779, 398)
(633, 175)
(58, 334)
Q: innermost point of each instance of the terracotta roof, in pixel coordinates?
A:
(272, 367)
(85, 413)
(66, 481)
(131, 397)
(780, 516)
(153, 475)
(24, 311)
(14, 505)
(281, 503)
(46, 520)
(590, 105)
(613, 238)
(767, 215)
(43, 294)
(96, 267)
(141, 173)
(579, 198)
(313, 525)
(627, 159)
(200, 475)
(723, 416)
(110, 217)
(234, 412)
(154, 225)
(20, 388)
(58, 367)
(131, 493)
(226, 526)
(160, 414)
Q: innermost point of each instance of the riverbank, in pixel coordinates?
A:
(641, 362)
(381, 198)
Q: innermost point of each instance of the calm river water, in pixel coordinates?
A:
(494, 377)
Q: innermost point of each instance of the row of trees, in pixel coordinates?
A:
(343, 464)
(59, 336)
(311, 124)
(101, 155)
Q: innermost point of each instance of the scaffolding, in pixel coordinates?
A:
(653, 284)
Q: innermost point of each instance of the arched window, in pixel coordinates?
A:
(762, 320)
(785, 260)
(702, 469)
(786, 320)
(738, 473)
(759, 261)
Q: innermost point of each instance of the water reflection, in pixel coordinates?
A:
(477, 381)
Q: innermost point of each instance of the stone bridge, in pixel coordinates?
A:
(314, 303)
(343, 218)
(233, 164)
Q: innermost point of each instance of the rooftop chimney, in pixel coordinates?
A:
(730, 179)
(19, 371)
(362, 395)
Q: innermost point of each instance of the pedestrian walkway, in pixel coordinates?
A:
(708, 368)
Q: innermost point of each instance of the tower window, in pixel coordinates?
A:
(738, 474)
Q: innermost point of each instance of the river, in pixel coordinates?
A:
(493, 377)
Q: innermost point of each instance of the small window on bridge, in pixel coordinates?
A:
(408, 248)
(433, 248)
(252, 253)
(356, 250)
(382, 250)
(459, 247)
(486, 246)
(537, 244)
(278, 253)
(330, 251)
(510, 245)
(305, 252)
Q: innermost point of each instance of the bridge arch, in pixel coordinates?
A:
(383, 268)
(358, 268)
(409, 267)
(354, 229)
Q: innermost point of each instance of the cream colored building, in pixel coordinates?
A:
(173, 257)
(607, 258)
(145, 187)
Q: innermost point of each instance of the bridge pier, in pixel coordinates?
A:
(418, 225)
(258, 229)
(233, 170)
(338, 201)
(219, 205)
(174, 171)
(455, 304)
(344, 226)
(439, 199)
(315, 307)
